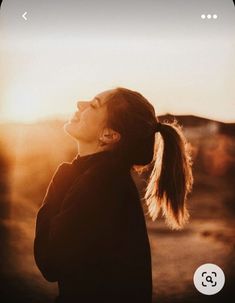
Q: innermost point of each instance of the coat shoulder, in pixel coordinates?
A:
(62, 171)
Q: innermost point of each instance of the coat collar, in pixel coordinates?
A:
(105, 157)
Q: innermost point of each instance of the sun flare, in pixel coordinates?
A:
(23, 105)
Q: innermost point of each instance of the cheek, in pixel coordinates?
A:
(90, 123)
(87, 124)
(88, 127)
(83, 130)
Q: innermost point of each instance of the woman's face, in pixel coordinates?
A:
(88, 121)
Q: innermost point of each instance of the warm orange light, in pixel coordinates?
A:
(22, 104)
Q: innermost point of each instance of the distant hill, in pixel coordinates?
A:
(195, 121)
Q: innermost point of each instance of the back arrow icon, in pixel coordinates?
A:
(24, 15)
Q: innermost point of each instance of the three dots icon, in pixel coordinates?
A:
(209, 16)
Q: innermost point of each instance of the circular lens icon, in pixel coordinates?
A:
(209, 279)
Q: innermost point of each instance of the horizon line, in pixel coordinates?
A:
(62, 118)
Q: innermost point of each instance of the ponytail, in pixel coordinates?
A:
(171, 178)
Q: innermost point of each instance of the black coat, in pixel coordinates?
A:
(91, 234)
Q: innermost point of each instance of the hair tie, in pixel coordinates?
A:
(158, 127)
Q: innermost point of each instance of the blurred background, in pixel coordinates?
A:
(183, 64)
(29, 156)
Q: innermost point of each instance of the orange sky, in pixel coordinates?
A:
(184, 66)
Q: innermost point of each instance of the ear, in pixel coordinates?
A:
(109, 136)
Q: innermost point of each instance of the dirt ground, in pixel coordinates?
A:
(175, 257)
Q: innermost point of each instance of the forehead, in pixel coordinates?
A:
(101, 97)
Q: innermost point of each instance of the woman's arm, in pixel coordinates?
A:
(87, 225)
(49, 208)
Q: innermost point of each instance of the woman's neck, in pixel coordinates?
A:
(88, 149)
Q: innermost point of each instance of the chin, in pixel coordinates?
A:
(71, 128)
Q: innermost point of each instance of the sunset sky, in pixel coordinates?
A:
(71, 51)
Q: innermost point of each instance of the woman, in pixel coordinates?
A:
(91, 235)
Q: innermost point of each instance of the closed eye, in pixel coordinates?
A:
(92, 105)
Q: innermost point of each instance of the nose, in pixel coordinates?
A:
(81, 105)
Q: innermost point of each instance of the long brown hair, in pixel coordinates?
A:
(133, 116)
